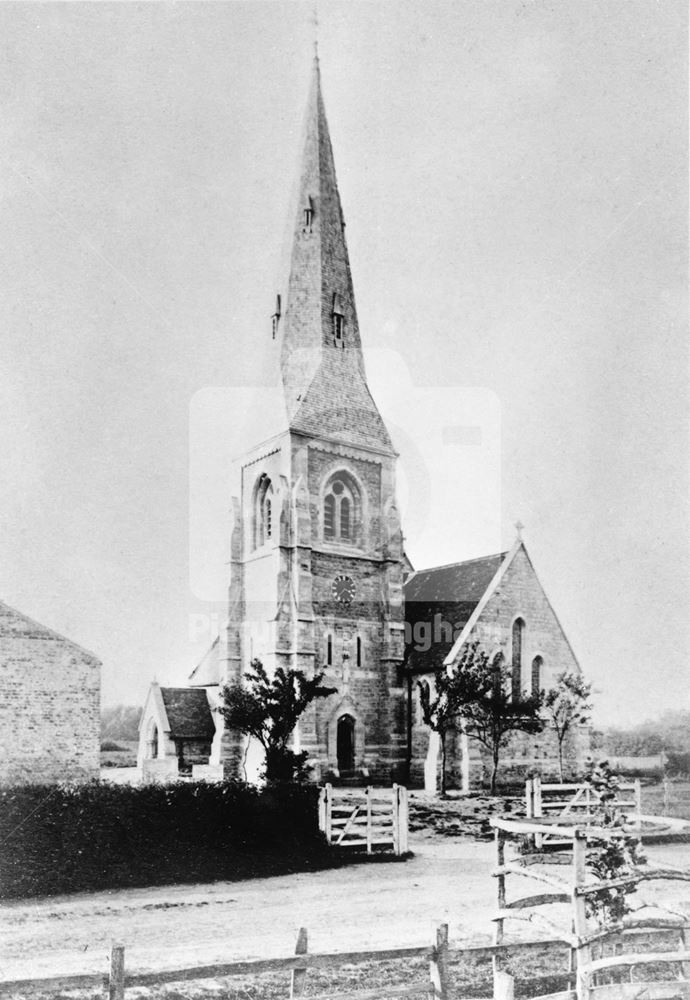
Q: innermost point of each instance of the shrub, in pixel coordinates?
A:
(66, 838)
(110, 747)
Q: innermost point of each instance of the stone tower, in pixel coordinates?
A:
(317, 558)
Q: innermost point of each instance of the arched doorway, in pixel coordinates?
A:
(345, 743)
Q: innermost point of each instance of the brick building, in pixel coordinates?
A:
(50, 705)
(317, 563)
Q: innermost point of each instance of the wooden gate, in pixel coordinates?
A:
(570, 803)
(366, 817)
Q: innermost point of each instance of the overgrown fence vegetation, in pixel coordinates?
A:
(60, 838)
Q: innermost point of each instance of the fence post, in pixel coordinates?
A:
(638, 807)
(528, 799)
(322, 810)
(369, 818)
(404, 819)
(580, 915)
(328, 812)
(504, 986)
(537, 809)
(438, 965)
(298, 980)
(116, 984)
(667, 795)
(396, 821)
(499, 839)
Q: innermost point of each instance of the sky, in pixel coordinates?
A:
(514, 182)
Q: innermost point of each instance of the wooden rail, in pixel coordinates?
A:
(438, 954)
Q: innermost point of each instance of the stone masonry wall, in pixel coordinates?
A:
(50, 705)
(519, 594)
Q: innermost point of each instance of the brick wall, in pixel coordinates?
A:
(50, 705)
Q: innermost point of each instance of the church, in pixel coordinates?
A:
(319, 578)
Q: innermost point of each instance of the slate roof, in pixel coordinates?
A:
(438, 604)
(189, 713)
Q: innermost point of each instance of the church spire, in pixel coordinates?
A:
(321, 359)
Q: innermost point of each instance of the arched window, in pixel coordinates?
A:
(263, 511)
(329, 650)
(537, 664)
(518, 635)
(152, 747)
(341, 509)
(496, 670)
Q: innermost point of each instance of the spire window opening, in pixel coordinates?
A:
(275, 318)
(338, 316)
(359, 651)
(308, 216)
(329, 651)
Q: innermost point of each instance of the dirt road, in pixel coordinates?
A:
(364, 906)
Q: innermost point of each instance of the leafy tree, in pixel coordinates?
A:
(268, 709)
(492, 714)
(567, 705)
(452, 690)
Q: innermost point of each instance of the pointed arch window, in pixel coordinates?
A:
(518, 638)
(537, 665)
(329, 651)
(338, 507)
(359, 651)
(263, 512)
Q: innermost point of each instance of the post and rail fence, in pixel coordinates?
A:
(436, 986)
(374, 818)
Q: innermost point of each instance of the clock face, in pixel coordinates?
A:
(343, 589)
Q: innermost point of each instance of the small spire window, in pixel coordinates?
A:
(308, 216)
(338, 319)
(275, 318)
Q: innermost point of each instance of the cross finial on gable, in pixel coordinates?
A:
(519, 527)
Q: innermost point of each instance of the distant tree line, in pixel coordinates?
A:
(669, 734)
(120, 722)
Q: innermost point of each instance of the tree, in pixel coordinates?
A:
(492, 714)
(268, 709)
(567, 705)
(452, 689)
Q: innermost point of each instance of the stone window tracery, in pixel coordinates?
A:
(263, 511)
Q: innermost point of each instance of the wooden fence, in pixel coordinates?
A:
(573, 884)
(365, 817)
(435, 987)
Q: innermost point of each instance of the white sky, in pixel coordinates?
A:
(514, 181)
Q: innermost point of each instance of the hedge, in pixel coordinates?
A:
(66, 838)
